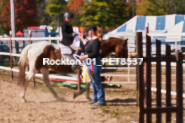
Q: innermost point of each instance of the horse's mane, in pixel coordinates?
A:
(100, 34)
(111, 40)
(114, 38)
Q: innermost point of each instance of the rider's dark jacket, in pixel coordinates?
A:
(67, 31)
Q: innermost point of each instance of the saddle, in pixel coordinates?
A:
(68, 54)
(66, 51)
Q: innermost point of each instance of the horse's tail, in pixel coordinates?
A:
(22, 65)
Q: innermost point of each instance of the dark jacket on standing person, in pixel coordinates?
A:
(92, 48)
(67, 31)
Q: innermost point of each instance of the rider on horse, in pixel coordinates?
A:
(69, 34)
(67, 31)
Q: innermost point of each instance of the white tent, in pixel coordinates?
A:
(157, 24)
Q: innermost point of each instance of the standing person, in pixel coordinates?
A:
(67, 31)
(92, 50)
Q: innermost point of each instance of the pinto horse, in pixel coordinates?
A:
(32, 55)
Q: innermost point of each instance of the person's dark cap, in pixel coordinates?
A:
(68, 15)
(93, 28)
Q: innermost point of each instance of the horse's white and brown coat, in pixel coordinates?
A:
(33, 55)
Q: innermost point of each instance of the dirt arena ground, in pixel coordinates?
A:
(42, 107)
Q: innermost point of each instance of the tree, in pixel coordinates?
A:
(161, 7)
(96, 13)
(104, 13)
(2, 5)
(5, 17)
(25, 14)
(56, 8)
(178, 6)
(43, 17)
(143, 7)
(75, 6)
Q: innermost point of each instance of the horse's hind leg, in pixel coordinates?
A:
(23, 91)
(47, 82)
(29, 76)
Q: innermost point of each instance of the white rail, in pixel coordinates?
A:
(164, 92)
(165, 34)
(7, 54)
(32, 38)
(39, 75)
(130, 46)
(122, 75)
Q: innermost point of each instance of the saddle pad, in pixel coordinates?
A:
(65, 49)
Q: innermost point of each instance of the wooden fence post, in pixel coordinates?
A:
(168, 82)
(146, 94)
(179, 89)
(139, 50)
(148, 76)
(158, 79)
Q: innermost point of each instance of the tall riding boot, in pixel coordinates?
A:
(87, 91)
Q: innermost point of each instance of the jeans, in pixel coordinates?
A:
(97, 87)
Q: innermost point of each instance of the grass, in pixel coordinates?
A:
(6, 61)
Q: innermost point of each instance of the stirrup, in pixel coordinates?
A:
(75, 67)
(81, 63)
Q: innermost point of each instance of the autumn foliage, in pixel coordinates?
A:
(25, 14)
(75, 5)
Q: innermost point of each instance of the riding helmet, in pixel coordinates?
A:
(68, 15)
(93, 28)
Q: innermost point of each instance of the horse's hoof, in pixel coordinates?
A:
(60, 99)
(23, 101)
(89, 98)
(74, 96)
(57, 98)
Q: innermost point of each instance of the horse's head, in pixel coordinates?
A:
(121, 49)
(117, 45)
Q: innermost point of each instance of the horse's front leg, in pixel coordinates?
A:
(82, 91)
(47, 82)
(79, 93)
